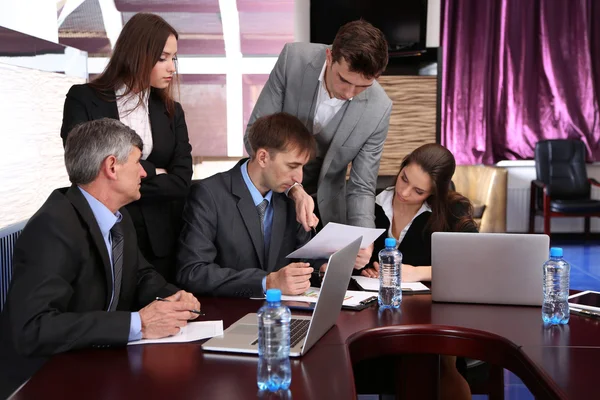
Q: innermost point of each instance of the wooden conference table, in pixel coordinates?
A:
(567, 355)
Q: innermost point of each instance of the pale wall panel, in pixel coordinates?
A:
(31, 152)
(412, 122)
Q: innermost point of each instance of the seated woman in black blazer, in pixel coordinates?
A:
(137, 88)
(419, 204)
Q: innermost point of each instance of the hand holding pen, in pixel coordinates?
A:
(166, 317)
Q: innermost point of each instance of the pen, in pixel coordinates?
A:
(314, 229)
(192, 311)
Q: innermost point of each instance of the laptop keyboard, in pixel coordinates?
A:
(298, 329)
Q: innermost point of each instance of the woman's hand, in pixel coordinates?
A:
(371, 272)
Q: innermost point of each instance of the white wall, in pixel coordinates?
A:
(33, 17)
(31, 152)
(520, 175)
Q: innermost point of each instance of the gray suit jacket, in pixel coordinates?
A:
(221, 249)
(359, 138)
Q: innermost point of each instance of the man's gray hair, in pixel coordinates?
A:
(88, 145)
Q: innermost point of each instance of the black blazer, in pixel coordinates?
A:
(416, 245)
(61, 287)
(221, 250)
(159, 209)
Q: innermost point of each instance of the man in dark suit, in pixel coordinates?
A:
(238, 226)
(78, 273)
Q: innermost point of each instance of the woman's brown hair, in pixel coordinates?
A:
(438, 162)
(138, 49)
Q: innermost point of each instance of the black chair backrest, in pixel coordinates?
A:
(560, 164)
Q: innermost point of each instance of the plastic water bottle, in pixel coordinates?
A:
(390, 264)
(555, 309)
(274, 371)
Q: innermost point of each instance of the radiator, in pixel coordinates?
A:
(8, 237)
(517, 214)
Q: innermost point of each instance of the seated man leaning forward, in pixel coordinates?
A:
(238, 226)
(79, 277)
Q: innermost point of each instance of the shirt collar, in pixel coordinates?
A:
(257, 198)
(105, 218)
(324, 88)
(385, 201)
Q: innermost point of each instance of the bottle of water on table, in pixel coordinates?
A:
(274, 371)
(390, 264)
(555, 309)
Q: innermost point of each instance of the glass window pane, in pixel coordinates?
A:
(203, 98)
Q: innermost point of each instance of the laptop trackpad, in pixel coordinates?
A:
(244, 329)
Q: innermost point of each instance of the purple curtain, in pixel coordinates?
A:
(518, 71)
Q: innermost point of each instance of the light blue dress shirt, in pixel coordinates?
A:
(106, 220)
(257, 198)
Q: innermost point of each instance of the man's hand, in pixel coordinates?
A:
(166, 318)
(190, 298)
(364, 256)
(292, 279)
(305, 207)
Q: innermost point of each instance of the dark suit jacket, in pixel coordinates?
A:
(62, 285)
(221, 250)
(159, 210)
(416, 245)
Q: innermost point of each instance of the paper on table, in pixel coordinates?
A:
(192, 331)
(373, 284)
(353, 298)
(333, 238)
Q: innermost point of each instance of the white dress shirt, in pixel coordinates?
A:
(326, 107)
(138, 118)
(385, 200)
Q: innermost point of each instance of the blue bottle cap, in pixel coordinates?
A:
(556, 252)
(390, 242)
(273, 295)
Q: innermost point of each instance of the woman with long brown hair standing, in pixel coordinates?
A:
(137, 88)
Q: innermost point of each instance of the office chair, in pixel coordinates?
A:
(562, 187)
(420, 347)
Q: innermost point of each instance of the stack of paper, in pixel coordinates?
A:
(352, 299)
(189, 333)
(372, 284)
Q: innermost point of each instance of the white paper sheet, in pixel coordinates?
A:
(192, 331)
(333, 238)
(353, 298)
(372, 284)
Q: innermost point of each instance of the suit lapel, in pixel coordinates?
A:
(309, 87)
(159, 122)
(351, 117)
(248, 212)
(83, 208)
(106, 106)
(277, 230)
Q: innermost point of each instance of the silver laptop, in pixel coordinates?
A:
(242, 336)
(491, 268)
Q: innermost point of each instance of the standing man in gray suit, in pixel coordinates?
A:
(333, 91)
(238, 226)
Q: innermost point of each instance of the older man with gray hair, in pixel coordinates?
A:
(79, 277)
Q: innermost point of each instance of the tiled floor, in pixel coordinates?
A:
(584, 258)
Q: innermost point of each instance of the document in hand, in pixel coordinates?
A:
(333, 238)
(372, 284)
(189, 333)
